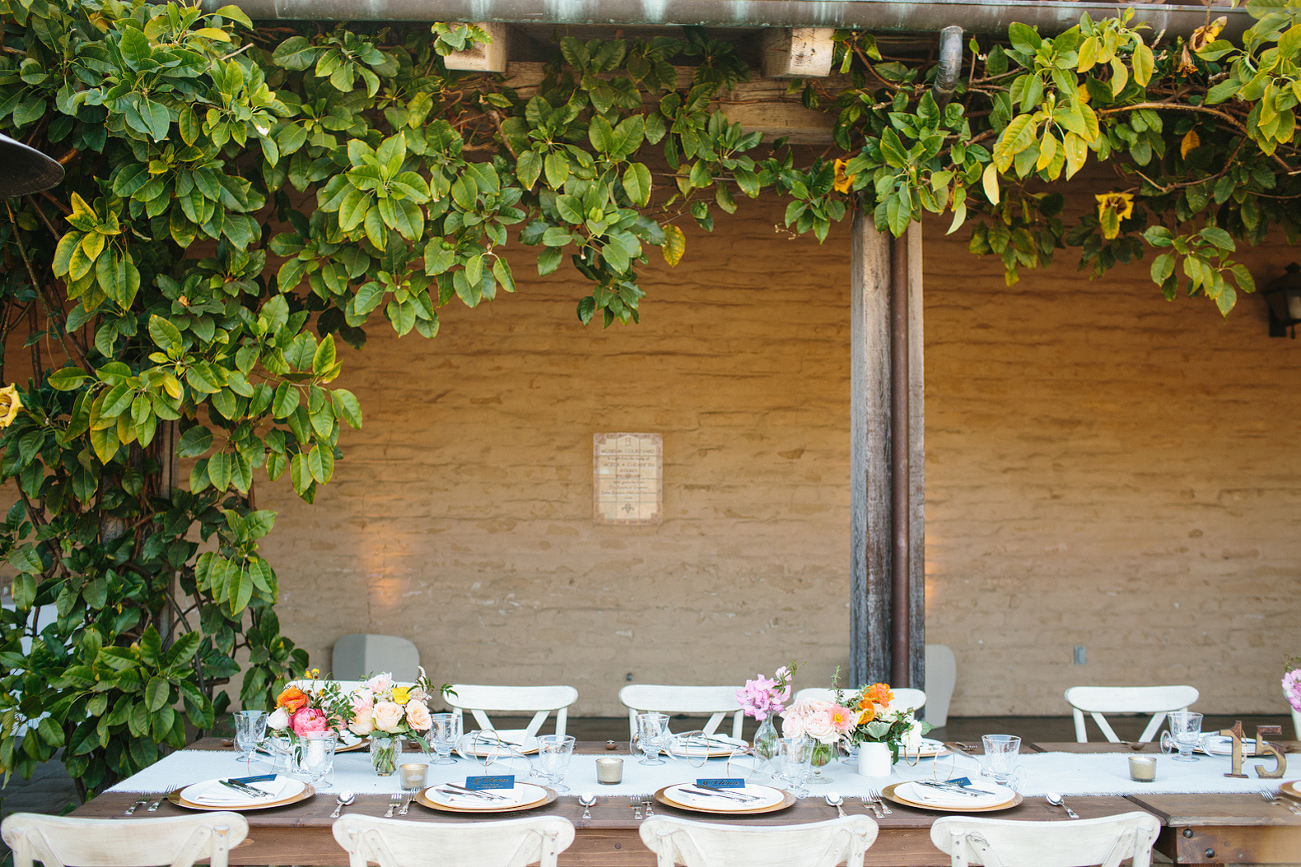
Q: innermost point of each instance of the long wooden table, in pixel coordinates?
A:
(1198, 829)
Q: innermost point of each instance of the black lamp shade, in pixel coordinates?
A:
(1284, 298)
(25, 170)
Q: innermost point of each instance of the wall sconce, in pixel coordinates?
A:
(1284, 298)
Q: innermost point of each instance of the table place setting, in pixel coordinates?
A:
(246, 793)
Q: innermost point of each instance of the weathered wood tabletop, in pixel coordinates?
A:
(1234, 828)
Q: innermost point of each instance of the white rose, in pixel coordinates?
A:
(388, 717)
(278, 720)
(362, 696)
(792, 726)
(820, 727)
(912, 738)
(363, 723)
(380, 683)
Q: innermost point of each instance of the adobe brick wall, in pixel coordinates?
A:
(1104, 469)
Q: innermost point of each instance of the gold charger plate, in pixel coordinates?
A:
(363, 744)
(424, 801)
(888, 792)
(175, 798)
(1290, 789)
(787, 800)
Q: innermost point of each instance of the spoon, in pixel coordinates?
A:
(344, 799)
(587, 799)
(1056, 800)
(834, 799)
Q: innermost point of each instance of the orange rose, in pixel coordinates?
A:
(292, 699)
(880, 693)
(868, 714)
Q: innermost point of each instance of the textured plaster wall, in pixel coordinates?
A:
(1104, 469)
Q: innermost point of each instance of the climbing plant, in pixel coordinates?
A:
(238, 199)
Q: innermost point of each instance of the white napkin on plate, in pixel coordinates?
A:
(514, 798)
(942, 798)
(214, 793)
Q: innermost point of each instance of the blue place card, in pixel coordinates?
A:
(723, 783)
(479, 783)
(961, 781)
(265, 778)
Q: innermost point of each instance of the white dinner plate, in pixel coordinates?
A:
(1222, 745)
(929, 749)
(935, 797)
(765, 796)
(711, 746)
(523, 794)
(211, 793)
(485, 743)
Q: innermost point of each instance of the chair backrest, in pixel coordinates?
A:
(718, 701)
(345, 686)
(1012, 843)
(399, 843)
(904, 697)
(537, 700)
(358, 655)
(941, 678)
(702, 844)
(179, 842)
(1097, 700)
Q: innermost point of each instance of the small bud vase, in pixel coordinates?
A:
(385, 754)
(765, 740)
(874, 759)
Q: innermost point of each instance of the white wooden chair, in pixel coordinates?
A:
(357, 655)
(59, 840)
(1011, 843)
(941, 678)
(1097, 700)
(537, 700)
(702, 844)
(717, 701)
(904, 697)
(400, 843)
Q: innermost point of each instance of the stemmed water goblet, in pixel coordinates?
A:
(652, 736)
(552, 762)
(793, 763)
(250, 729)
(1185, 733)
(443, 732)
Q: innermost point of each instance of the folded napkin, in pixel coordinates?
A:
(1222, 745)
(513, 798)
(764, 797)
(940, 797)
(214, 793)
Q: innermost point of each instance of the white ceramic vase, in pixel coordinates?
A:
(874, 760)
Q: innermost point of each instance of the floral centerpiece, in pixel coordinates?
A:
(880, 721)
(825, 721)
(763, 698)
(1292, 691)
(380, 709)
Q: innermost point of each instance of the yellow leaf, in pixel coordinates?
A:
(1076, 152)
(1047, 150)
(1119, 76)
(1082, 94)
(1191, 140)
(675, 244)
(990, 182)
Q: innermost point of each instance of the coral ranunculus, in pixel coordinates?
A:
(308, 720)
(292, 699)
(880, 693)
(868, 714)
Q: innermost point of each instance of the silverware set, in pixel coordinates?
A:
(1273, 798)
(643, 803)
(874, 802)
(393, 802)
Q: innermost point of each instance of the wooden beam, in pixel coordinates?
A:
(797, 52)
(479, 57)
(760, 105)
(871, 555)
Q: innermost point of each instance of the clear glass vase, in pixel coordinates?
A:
(385, 753)
(765, 740)
(823, 755)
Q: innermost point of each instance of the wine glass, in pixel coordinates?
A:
(1184, 734)
(793, 758)
(552, 762)
(652, 736)
(443, 732)
(250, 729)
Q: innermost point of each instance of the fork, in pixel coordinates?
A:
(869, 804)
(635, 804)
(650, 806)
(1273, 798)
(393, 802)
(144, 799)
(876, 796)
(406, 803)
(153, 805)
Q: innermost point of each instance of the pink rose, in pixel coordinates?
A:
(380, 683)
(363, 696)
(792, 725)
(820, 726)
(388, 717)
(362, 721)
(418, 716)
(308, 720)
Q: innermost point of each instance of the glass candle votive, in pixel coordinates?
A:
(413, 776)
(1142, 769)
(609, 770)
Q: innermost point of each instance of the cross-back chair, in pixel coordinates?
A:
(178, 842)
(717, 701)
(1099, 700)
(702, 844)
(400, 843)
(1076, 843)
(540, 701)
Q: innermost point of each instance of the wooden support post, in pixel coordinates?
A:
(478, 57)
(797, 52)
(872, 603)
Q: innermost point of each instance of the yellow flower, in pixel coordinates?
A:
(401, 694)
(843, 182)
(1121, 203)
(10, 403)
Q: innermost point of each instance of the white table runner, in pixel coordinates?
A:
(1064, 773)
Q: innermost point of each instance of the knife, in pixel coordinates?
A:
(478, 793)
(721, 791)
(957, 790)
(247, 790)
(717, 793)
